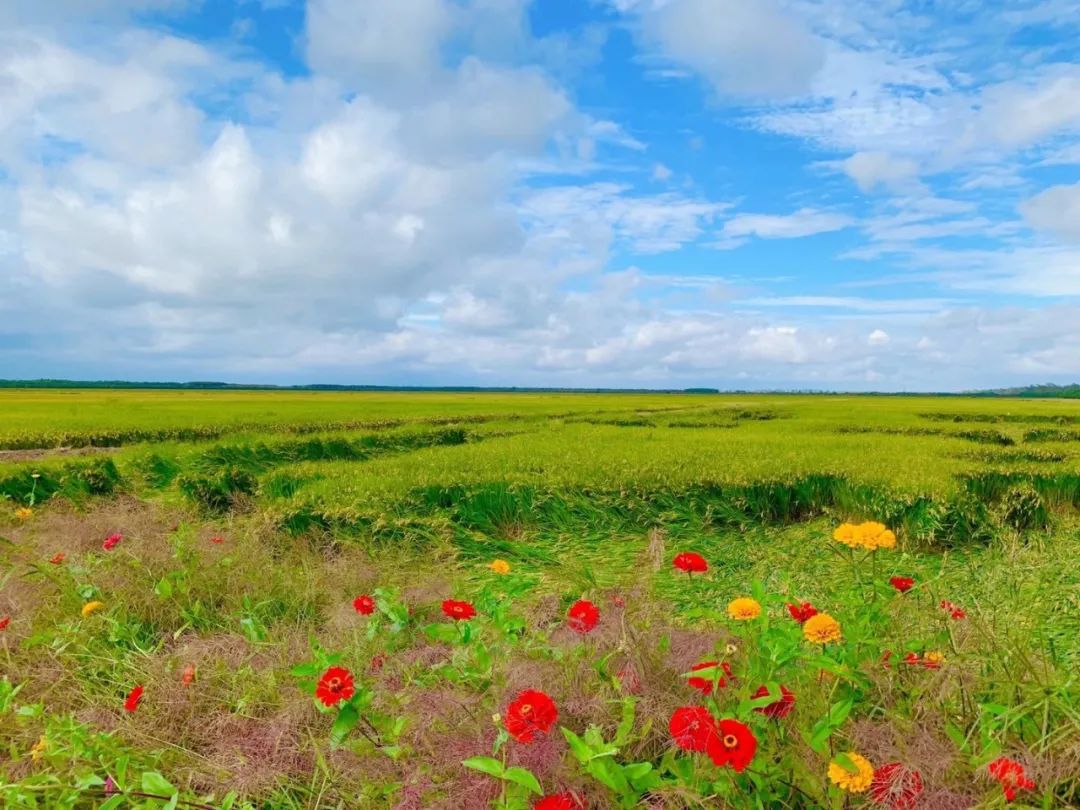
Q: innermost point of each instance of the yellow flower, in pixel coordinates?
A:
(743, 609)
(91, 607)
(856, 781)
(933, 659)
(24, 513)
(870, 535)
(821, 629)
(845, 533)
(500, 567)
(38, 750)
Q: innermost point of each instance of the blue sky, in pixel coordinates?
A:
(825, 194)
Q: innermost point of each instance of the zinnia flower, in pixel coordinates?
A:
(857, 781)
(4, 622)
(457, 610)
(500, 566)
(870, 535)
(131, 703)
(217, 540)
(57, 558)
(530, 712)
(559, 801)
(91, 607)
(1011, 775)
(690, 562)
(933, 659)
(821, 629)
(24, 513)
(693, 728)
(780, 708)
(902, 584)
(734, 745)
(801, 612)
(188, 677)
(364, 605)
(37, 751)
(583, 616)
(335, 685)
(743, 609)
(896, 786)
(706, 683)
(954, 611)
(112, 541)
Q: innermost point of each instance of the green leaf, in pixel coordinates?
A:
(577, 746)
(345, 722)
(154, 782)
(112, 802)
(308, 670)
(525, 778)
(488, 765)
(845, 762)
(164, 589)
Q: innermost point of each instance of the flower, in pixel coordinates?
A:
(91, 607)
(500, 566)
(706, 683)
(954, 611)
(902, 584)
(57, 558)
(458, 611)
(131, 703)
(24, 513)
(743, 609)
(531, 711)
(821, 629)
(188, 677)
(217, 540)
(693, 728)
(801, 612)
(896, 786)
(110, 788)
(734, 745)
(112, 541)
(933, 659)
(335, 685)
(856, 781)
(583, 616)
(4, 622)
(364, 605)
(39, 748)
(559, 801)
(780, 708)
(870, 535)
(1010, 774)
(690, 562)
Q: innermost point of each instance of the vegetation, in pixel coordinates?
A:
(276, 599)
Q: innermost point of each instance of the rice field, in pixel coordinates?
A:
(441, 600)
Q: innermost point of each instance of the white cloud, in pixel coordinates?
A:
(1056, 210)
(661, 173)
(879, 337)
(803, 222)
(871, 169)
(743, 47)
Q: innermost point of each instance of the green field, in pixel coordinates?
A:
(317, 498)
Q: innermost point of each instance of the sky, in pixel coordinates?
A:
(741, 194)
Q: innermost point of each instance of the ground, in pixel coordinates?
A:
(249, 522)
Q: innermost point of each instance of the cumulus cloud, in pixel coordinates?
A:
(1056, 210)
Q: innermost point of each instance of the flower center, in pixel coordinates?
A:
(730, 741)
(526, 709)
(334, 683)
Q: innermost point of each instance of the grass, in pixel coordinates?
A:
(250, 522)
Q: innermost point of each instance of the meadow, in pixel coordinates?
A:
(453, 600)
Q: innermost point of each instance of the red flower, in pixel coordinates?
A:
(188, 678)
(896, 786)
(912, 658)
(705, 683)
(458, 611)
(133, 699)
(952, 610)
(336, 684)
(583, 616)
(217, 540)
(112, 541)
(530, 712)
(690, 562)
(4, 622)
(1011, 775)
(902, 584)
(802, 612)
(886, 658)
(364, 605)
(57, 558)
(693, 728)
(780, 708)
(734, 745)
(559, 801)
